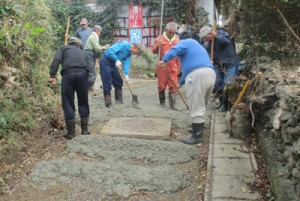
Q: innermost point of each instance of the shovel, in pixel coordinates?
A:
(134, 97)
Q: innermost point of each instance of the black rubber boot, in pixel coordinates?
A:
(119, 96)
(224, 105)
(70, 124)
(197, 134)
(107, 100)
(162, 98)
(220, 101)
(172, 100)
(84, 125)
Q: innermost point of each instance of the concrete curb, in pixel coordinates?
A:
(209, 181)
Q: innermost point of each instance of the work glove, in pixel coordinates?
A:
(126, 78)
(119, 64)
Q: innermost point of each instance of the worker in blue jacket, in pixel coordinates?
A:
(198, 77)
(117, 58)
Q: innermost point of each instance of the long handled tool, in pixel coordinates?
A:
(174, 84)
(50, 83)
(134, 96)
(238, 100)
(160, 27)
(67, 31)
(212, 44)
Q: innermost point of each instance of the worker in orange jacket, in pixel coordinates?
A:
(165, 43)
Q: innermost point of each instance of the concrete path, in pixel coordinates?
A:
(230, 165)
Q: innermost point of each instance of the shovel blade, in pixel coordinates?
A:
(135, 99)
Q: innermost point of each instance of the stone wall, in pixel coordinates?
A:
(275, 97)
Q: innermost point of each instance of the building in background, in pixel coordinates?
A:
(136, 25)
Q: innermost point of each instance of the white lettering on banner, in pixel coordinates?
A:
(135, 35)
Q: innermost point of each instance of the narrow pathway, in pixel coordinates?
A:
(230, 164)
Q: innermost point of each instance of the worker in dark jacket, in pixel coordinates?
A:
(225, 61)
(74, 79)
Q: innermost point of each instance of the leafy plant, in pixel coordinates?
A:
(271, 27)
(149, 74)
(9, 9)
(26, 46)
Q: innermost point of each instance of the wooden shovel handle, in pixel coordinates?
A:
(238, 100)
(174, 84)
(67, 31)
(123, 77)
(212, 44)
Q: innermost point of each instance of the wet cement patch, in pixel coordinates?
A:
(139, 150)
(111, 176)
(152, 167)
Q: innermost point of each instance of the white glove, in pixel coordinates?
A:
(126, 78)
(119, 64)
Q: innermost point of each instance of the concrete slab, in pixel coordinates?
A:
(223, 138)
(220, 128)
(233, 166)
(232, 188)
(230, 151)
(145, 128)
(220, 120)
(220, 113)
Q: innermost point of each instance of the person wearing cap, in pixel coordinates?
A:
(84, 31)
(74, 79)
(165, 43)
(198, 77)
(225, 61)
(93, 49)
(117, 58)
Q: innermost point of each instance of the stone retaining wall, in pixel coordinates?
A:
(275, 97)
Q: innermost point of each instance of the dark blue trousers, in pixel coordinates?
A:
(109, 75)
(72, 82)
(226, 77)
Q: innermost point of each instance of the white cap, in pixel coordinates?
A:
(140, 45)
(204, 31)
(98, 27)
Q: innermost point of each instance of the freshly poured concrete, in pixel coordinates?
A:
(144, 128)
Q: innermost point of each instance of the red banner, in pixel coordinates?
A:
(135, 16)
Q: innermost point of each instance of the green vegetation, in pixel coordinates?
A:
(26, 46)
(268, 28)
(76, 10)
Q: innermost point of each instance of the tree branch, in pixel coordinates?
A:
(287, 24)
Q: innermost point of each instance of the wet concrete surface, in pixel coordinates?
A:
(101, 167)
